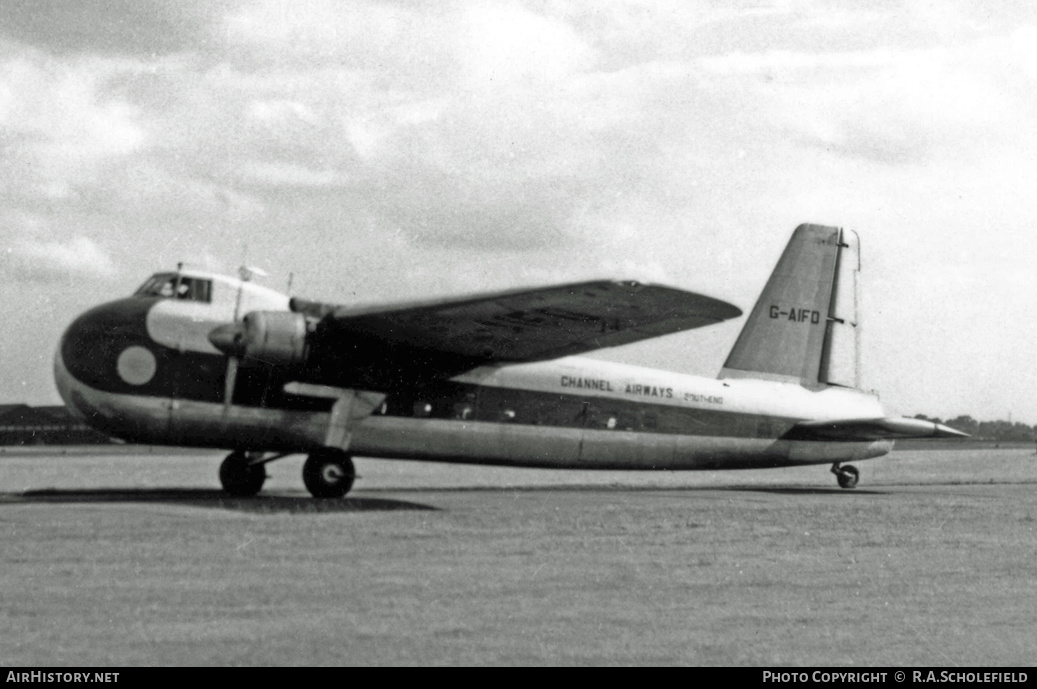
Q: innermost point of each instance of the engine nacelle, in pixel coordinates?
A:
(274, 337)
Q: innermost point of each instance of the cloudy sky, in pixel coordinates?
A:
(391, 150)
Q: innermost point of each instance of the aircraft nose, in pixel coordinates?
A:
(107, 348)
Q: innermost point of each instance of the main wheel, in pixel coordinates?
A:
(847, 476)
(328, 473)
(239, 478)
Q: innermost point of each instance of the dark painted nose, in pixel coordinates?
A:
(108, 347)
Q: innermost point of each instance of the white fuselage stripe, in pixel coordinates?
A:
(165, 421)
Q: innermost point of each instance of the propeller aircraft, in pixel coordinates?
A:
(195, 358)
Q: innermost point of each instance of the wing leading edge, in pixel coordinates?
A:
(433, 340)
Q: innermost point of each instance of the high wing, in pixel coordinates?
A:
(887, 428)
(422, 342)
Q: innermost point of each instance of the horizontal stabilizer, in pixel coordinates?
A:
(888, 428)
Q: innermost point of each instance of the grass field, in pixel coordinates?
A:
(139, 560)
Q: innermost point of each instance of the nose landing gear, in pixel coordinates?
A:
(847, 476)
(240, 475)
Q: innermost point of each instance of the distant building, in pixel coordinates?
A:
(21, 424)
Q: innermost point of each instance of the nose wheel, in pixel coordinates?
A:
(328, 473)
(847, 476)
(240, 476)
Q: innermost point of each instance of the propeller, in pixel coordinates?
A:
(268, 337)
(229, 339)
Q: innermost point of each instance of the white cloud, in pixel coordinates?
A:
(887, 105)
(62, 104)
(400, 43)
(787, 63)
(49, 261)
(377, 131)
(276, 112)
(1021, 50)
(289, 175)
(64, 129)
(470, 44)
(506, 46)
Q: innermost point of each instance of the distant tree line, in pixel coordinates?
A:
(988, 430)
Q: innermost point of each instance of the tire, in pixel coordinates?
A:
(847, 477)
(328, 474)
(239, 478)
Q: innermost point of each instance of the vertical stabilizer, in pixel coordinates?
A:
(803, 328)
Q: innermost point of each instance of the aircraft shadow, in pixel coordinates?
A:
(622, 488)
(214, 499)
(779, 490)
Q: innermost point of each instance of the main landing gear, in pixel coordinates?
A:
(847, 476)
(327, 473)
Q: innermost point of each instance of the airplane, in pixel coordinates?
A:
(195, 358)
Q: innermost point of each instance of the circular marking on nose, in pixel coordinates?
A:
(136, 365)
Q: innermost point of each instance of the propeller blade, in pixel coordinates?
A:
(231, 379)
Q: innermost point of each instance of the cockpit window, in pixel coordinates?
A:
(173, 285)
(156, 284)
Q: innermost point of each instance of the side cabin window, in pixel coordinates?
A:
(176, 286)
(194, 289)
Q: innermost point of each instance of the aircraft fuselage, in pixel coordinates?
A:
(142, 369)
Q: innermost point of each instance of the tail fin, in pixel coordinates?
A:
(804, 328)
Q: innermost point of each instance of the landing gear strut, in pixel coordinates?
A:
(240, 475)
(847, 476)
(328, 473)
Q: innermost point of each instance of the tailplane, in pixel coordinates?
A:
(804, 328)
(883, 428)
